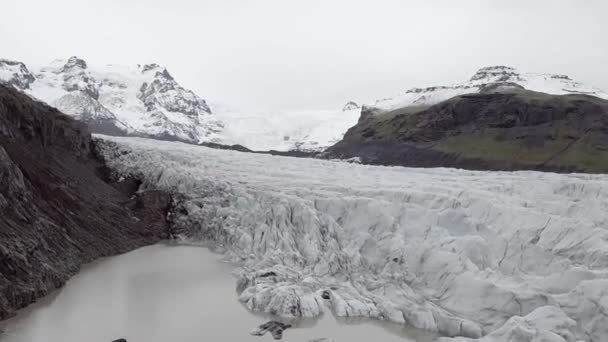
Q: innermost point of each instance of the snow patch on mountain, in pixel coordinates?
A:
(494, 256)
(546, 83)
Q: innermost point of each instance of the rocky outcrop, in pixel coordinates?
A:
(74, 63)
(503, 128)
(274, 327)
(350, 105)
(499, 73)
(57, 210)
(77, 79)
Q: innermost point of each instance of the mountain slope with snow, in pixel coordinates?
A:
(145, 100)
(546, 83)
(142, 100)
(493, 255)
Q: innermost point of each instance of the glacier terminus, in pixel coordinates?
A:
(488, 256)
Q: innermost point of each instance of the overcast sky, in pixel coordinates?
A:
(313, 53)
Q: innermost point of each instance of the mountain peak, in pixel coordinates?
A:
(498, 73)
(350, 105)
(561, 77)
(16, 74)
(158, 69)
(147, 67)
(75, 62)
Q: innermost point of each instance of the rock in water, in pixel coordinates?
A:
(275, 328)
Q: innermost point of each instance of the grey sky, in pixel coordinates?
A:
(314, 53)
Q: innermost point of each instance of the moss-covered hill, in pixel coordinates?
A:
(507, 130)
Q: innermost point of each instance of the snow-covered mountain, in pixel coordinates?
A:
(491, 76)
(510, 256)
(145, 100)
(136, 100)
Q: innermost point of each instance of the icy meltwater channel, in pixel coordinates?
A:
(495, 256)
(168, 293)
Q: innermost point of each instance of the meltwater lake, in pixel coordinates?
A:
(166, 293)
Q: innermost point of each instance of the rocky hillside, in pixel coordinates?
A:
(501, 127)
(57, 210)
(143, 100)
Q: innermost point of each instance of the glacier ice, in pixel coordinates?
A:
(470, 255)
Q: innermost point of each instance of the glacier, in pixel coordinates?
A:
(470, 255)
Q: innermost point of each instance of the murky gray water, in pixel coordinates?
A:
(169, 293)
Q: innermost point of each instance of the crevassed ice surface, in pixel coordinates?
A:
(493, 255)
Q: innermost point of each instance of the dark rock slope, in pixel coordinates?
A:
(510, 129)
(56, 209)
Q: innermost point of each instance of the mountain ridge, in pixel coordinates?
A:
(555, 84)
(145, 100)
